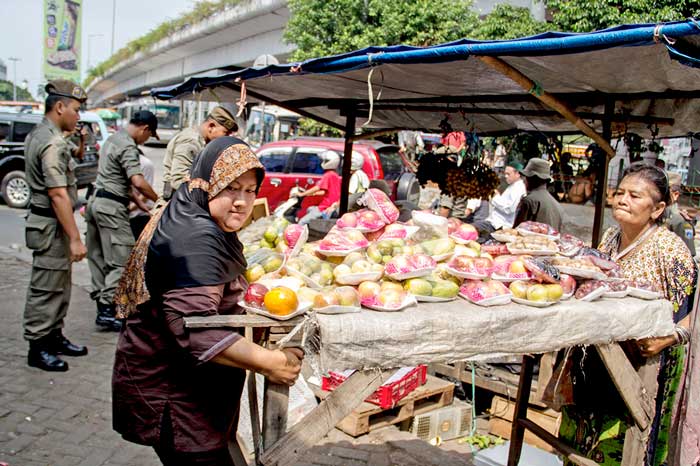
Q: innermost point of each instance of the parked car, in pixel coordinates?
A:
(14, 128)
(296, 162)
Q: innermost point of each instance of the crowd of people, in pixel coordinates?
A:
(178, 390)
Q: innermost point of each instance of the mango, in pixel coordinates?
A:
(445, 289)
(418, 286)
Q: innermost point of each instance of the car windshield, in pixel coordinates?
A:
(392, 163)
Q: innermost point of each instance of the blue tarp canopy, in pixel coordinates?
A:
(650, 73)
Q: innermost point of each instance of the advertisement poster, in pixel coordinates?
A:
(62, 39)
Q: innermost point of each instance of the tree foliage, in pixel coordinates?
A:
(509, 22)
(6, 92)
(324, 27)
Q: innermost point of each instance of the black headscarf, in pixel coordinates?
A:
(188, 248)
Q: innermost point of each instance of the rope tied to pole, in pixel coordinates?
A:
(370, 91)
(242, 100)
(536, 89)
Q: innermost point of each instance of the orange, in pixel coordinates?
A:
(281, 301)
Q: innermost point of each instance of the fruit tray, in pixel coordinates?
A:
(642, 293)
(527, 302)
(412, 274)
(409, 300)
(469, 275)
(595, 294)
(532, 252)
(338, 252)
(503, 237)
(398, 386)
(526, 232)
(581, 273)
(510, 277)
(433, 299)
(337, 310)
(494, 301)
(357, 278)
(301, 309)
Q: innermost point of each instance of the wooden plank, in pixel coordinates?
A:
(517, 431)
(253, 405)
(635, 446)
(240, 320)
(545, 374)
(324, 417)
(628, 383)
(275, 404)
(546, 418)
(571, 454)
(503, 427)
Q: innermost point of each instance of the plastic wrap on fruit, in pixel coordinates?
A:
(379, 202)
(477, 290)
(430, 225)
(587, 287)
(453, 224)
(464, 233)
(643, 285)
(396, 230)
(568, 283)
(438, 247)
(472, 265)
(569, 244)
(541, 270)
(494, 248)
(616, 285)
(536, 227)
(600, 259)
(401, 265)
(343, 241)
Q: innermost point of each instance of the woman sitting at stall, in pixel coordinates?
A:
(645, 250)
(178, 389)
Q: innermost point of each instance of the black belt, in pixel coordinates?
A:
(42, 211)
(107, 195)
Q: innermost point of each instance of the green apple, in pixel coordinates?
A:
(361, 266)
(519, 289)
(273, 263)
(445, 289)
(537, 293)
(254, 273)
(341, 270)
(554, 292)
(418, 286)
(353, 257)
(374, 254)
(270, 234)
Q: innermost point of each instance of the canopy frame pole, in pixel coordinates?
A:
(548, 99)
(602, 178)
(347, 159)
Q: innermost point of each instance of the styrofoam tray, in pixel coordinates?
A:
(643, 294)
(581, 273)
(616, 294)
(509, 277)
(503, 237)
(409, 300)
(495, 301)
(527, 302)
(472, 276)
(595, 294)
(564, 297)
(525, 232)
(344, 253)
(540, 252)
(433, 299)
(301, 309)
(307, 280)
(459, 240)
(337, 310)
(357, 278)
(292, 283)
(442, 257)
(412, 274)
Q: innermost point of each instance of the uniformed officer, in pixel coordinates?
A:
(109, 236)
(51, 231)
(189, 142)
(679, 221)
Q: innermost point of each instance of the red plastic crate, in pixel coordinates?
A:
(388, 394)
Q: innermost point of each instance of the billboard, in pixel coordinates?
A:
(62, 30)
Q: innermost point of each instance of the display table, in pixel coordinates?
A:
(376, 342)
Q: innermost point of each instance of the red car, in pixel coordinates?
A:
(296, 162)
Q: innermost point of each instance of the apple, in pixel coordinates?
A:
(519, 289)
(537, 293)
(377, 268)
(567, 282)
(394, 228)
(325, 299)
(391, 298)
(554, 292)
(254, 273)
(307, 294)
(353, 257)
(369, 290)
(370, 217)
(340, 270)
(401, 263)
(389, 285)
(474, 245)
(462, 262)
(348, 296)
(355, 236)
(374, 254)
(397, 242)
(385, 247)
(255, 295)
(467, 232)
(517, 266)
(482, 263)
(461, 250)
(361, 266)
(348, 220)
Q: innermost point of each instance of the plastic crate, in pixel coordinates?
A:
(403, 382)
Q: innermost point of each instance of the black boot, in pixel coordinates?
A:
(42, 357)
(62, 345)
(105, 318)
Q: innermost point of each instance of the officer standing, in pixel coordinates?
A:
(189, 142)
(677, 220)
(51, 231)
(109, 236)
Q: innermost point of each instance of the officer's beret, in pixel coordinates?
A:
(224, 118)
(66, 88)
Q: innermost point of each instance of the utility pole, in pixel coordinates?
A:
(14, 80)
(114, 19)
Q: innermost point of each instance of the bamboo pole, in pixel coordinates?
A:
(548, 99)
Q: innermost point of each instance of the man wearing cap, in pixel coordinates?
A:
(679, 221)
(504, 205)
(51, 231)
(538, 205)
(189, 142)
(109, 235)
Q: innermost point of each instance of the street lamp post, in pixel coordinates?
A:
(14, 80)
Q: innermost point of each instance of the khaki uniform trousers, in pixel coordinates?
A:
(109, 243)
(49, 290)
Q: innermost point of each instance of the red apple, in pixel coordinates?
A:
(348, 220)
(255, 294)
(369, 217)
(462, 263)
(567, 282)
(467, 231)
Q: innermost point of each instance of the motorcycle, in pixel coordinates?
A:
(289, 208)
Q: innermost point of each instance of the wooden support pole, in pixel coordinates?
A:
(548, 99)
(253, 405)
(602, 179)
(570, 454)
(347, 160)
(324, 417)
(517, 432)
(275, 404)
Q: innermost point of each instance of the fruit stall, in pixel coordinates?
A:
(376, 295)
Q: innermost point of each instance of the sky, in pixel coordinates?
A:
(22, 29)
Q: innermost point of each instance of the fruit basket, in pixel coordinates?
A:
(398, 386)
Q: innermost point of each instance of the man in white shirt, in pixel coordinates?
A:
(503, 206)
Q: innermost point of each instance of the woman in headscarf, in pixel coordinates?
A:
(178, 389)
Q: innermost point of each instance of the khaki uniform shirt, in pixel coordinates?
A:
(119, 161)
(49, 163)
(682, 227)
(180, 154)
(539, 206)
